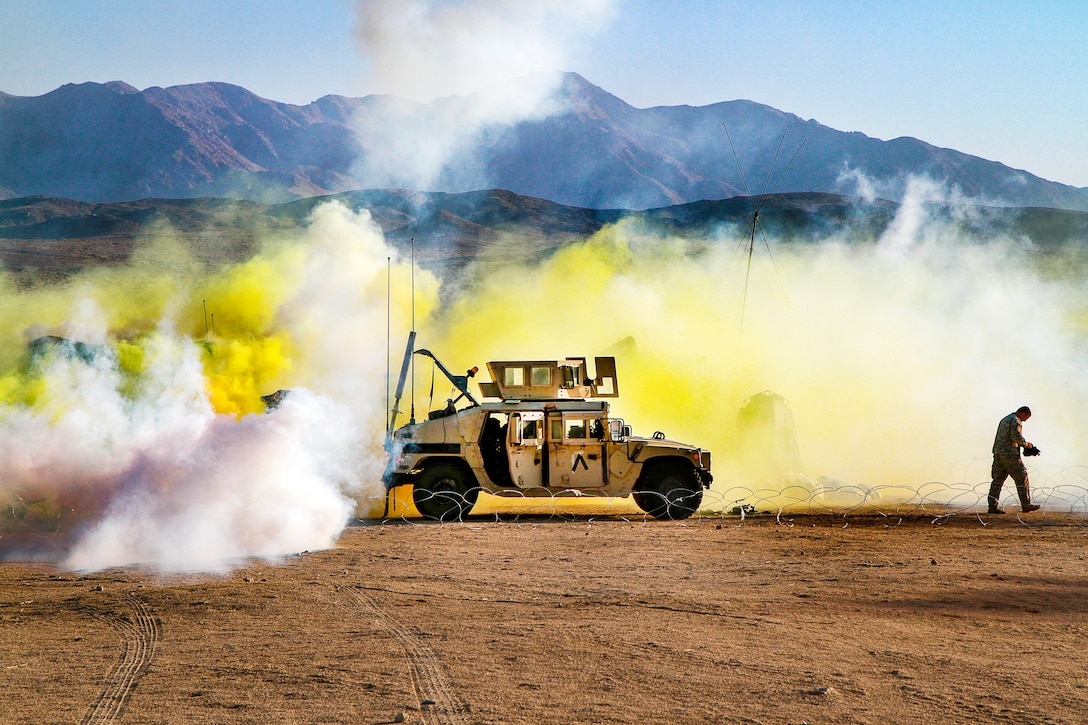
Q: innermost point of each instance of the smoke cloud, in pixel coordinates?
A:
(898, 356)
(424, 49)
(427, 49)
(145, 443)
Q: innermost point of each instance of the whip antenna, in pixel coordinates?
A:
(408, 364)
(388, 353)
(412, 417)
(740, 170)
(748, 244)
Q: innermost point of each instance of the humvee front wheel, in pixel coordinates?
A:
(671, 492)
(442, 493)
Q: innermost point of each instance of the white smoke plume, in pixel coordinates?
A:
(200, 491)
(147, 472)
(424, 49)
(898, 357)
(506, 53)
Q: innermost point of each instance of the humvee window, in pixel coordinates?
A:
(526, 428)
(557, 430)
(576, 429)
(513, 377)
(541, 375)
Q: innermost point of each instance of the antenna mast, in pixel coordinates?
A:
(388, 315)
(407, 364)
(412, 418)
(754, 225)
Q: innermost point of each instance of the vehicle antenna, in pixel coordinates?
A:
(412, 416)
(205, 319)
(749, 242)
(408, 365)
(388, 328)
(388, 372)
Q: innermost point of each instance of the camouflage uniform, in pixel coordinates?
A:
(1007, 444)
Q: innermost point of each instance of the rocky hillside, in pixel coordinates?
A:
(111, 142)
(53, 237)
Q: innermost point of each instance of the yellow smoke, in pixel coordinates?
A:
(150, 403)
(898, 357)
(655, 308)
(308, 312)
(18, 389)
(240, 371)
(245, 355)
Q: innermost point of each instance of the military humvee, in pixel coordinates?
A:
(543, 430)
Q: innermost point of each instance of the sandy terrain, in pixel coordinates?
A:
(575, 620)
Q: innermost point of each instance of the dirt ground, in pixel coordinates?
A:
(575, 619)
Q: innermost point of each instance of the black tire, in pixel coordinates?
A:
(671, 491)
(645, 499)
(442, 493)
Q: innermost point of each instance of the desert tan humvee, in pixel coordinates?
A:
(543, 430)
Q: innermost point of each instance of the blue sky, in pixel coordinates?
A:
(1001, 80)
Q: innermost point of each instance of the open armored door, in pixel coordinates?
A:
(525, 441)
(606, 384)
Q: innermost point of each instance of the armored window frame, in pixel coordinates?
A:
(540, 376)
(513, 376)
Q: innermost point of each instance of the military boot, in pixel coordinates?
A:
(1025, 498)
(991, 499)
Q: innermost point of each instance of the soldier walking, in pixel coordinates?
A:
(1007, 462)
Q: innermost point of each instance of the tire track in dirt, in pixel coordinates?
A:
(439, 702)
(140, 632)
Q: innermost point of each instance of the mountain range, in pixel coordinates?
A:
(105, 143)
(49, 238)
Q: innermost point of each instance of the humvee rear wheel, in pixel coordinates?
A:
(442, 493)
(671, 492)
